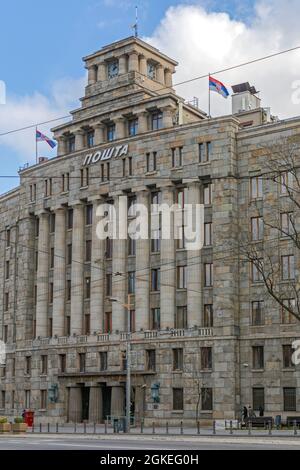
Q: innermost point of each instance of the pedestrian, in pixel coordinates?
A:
(251, 413)
(261, 411)
(245, 413)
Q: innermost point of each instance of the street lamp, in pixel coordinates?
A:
(128, 362)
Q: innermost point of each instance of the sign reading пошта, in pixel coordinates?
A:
(106, 154)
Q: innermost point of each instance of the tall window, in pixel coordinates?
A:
(258, 313)
(178, 359)
(71, 144)
(286, 182)
(151, 359)
(178, 399)
(89, 214)
(181, 277)
(155, 319)
(28, 365)
(155, 223)
(257, 228)
(87, 324)
(108, 285)
(181, 318)
(155, 280)
(256, 187)
(43, 400)
(258, 395)
(206, 358)
(82, 362)
(204, 150)
(208, 321)
(69, 290)
(90, 139)
(133, 125)
(207, 194)
(258, 357)
(286, 316)
(108, 322)
(87, 288)
(8, 233)
(256, 271)
(108, 248)
(208, 274)
(69, 254)
(206, 399)
(27, 399)
(181, 198)
(289, 399)
(287, 353)
(44, 365)
(103, 360)
(131, 282)
(62, 363)
(157, 121)
(286, 224)
(208, 234)
(132, 321)
(70, 219)
(287, 266)
(111, 132)
(88, 251)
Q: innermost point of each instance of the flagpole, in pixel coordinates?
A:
(209, 116)
(36, 146)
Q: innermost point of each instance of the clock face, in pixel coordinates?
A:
(151, 71)
(113, 69)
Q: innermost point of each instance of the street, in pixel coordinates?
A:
(103, 443)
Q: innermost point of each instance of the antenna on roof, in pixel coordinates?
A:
(136, 25)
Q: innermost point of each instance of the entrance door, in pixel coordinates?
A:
(106, 398)
(85, 395)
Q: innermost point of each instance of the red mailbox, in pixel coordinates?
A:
(29, 418)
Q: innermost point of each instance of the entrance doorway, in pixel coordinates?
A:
(85, 400)
(106, 398)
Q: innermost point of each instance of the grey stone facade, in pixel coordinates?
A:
(56, 297)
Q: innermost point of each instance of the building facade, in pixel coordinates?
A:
(197, 353)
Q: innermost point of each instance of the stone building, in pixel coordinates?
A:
(196, 352)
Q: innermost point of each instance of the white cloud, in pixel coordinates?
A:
(205, 42)
(22, 111)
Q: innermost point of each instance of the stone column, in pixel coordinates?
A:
(120, 128)
(160, 74)
(143, 65)
(119, 282)
(142, 294)
(194, 271)
(99, 134)
(77, 270)
(59, 273)
(79, 140)
(42, 277)
(143, 122)
(61, 146)
(92, 75)
(117, 401)
(168, 78)
(123, 64)
(75, 405)
(102, 76)
(96, 405)
(97, 277)
(168, 269)
(167, 117)
(133, 65)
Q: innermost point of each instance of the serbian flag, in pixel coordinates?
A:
(219, 87)
(43, 138)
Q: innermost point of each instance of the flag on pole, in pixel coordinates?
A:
(219, 87)
(43, 138)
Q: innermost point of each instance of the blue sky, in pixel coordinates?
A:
(41, 46)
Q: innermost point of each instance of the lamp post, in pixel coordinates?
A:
(128, 360)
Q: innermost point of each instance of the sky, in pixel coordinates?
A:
(42, 43)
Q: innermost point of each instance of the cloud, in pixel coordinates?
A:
(22, 111)
(206, 41)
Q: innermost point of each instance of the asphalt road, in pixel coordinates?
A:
(116, 443)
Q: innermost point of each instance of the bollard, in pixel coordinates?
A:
(214, 428)
(231, 428)
(94, 428)
(105, 427)
(153, 428)
(48, 428)
(56, 428)
(270, 428)
(198, 427)
(142, 426)
(249, 427)
(295, 428)
(41, 428)
(75, 427)
(33, 428)
(167, 427)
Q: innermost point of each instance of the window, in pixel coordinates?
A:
(103, 360)
(51, 287)
(82, 360)
(71, 144)
(131, 246)
(206, 399)
(286, 182)
(69, 290)
(289, 399)
(257, 313)
(68, 326)
(155, 280)
(27, 399)
(111, 132)
(208, 316)
(177, 157)
(51, 258)
(178, 399)
(208, 234)
(287, 353)
(181, 277)
(6, 301)
(206, 358)
(108, 322)
(257, 267)
(287, 266)
(69, 254)
(204, 150)
(8, 233)
(43, 399)
(32, 192)
(133, 125)
(62, 363)
(129, 166)
(157, 121)
(70, 219)
(50, 327)
(84, 177)
(151, 359)
(13, 367)
(108, 285)
(107, 171)
(87, 288)
(5, 333)
(155, 319)
(178, 359)
(109, 248)
(7, 269)
(13, 399)
(90, 138)
(44, 365)
(87, 324)
(89, 215)
(208, 274)
(88, 251)
(131, 282)
(258, 398)
(286, 224)
(181, 318)
(258, 357)
(3, 399)
(155, 222)
(52, 223)
(65, 182)
(256, 187)
(132, 321)
(286, 316)
(207, 194)
(257, 228)
(37, 227)
(28, 365)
